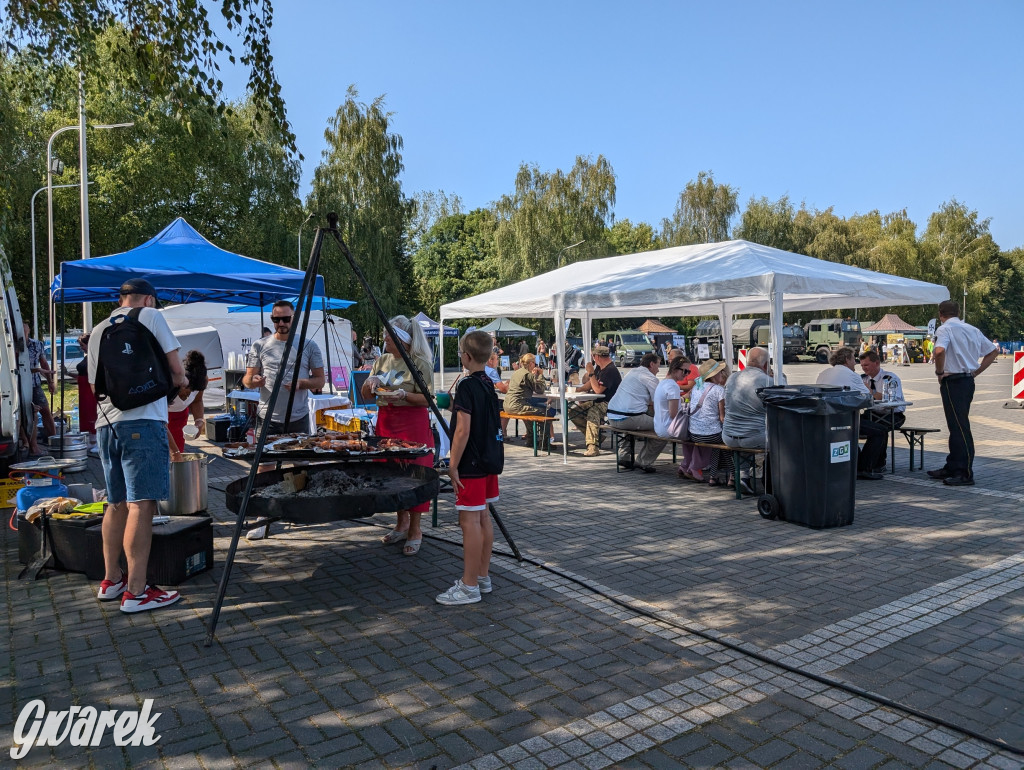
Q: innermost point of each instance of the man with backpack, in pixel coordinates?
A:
(133, 367)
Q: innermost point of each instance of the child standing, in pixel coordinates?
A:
(477, 458)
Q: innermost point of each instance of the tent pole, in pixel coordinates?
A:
(262, 324)
(562, 380)
(725, 319)
(778, 342)
(440, 349)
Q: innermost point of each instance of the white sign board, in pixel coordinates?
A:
(703, 351)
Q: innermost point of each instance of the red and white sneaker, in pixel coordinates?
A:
(112, 589)
(152, 598)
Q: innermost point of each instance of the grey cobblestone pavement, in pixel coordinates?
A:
(650, 645)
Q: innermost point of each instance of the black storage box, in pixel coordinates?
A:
(181, 548)
(219, 434)
(77, 544)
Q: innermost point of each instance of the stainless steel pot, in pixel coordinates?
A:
(188, 486)
(76, 447)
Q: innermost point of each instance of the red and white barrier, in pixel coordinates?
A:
(1017, 389)
(741, 360)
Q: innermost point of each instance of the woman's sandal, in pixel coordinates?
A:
(412, 547)
(395, 536)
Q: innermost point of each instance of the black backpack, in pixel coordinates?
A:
(132, 370)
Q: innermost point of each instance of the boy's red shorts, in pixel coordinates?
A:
(476, 493)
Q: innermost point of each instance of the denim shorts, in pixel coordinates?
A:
(136, 460)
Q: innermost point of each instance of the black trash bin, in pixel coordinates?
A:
(812, 450)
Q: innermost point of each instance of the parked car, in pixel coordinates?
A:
(72, 352)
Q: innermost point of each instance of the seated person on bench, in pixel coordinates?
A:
(631, 409)
(491, 370)
(603, 378)
(874, 377)
(744, 425)
(841, 373)
(524, 391)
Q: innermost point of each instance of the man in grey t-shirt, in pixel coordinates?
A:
(744, 424)
(264, 365)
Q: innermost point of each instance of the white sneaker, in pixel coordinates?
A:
(484, 584)
(256, 534)
(460, 593)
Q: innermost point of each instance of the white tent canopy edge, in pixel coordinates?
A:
(723, 279)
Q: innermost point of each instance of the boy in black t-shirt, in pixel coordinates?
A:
(477, 457)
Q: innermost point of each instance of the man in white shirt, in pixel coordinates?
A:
(629, 409)
(136, 463)
(877, 380)
(842, 374)
(958, 346)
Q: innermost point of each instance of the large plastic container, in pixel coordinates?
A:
(812, 449)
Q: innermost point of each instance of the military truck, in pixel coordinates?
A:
(708, 332)
(757, 332)
(630, 345)
(825, 335)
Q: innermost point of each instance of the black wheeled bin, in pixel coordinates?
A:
(812, 450)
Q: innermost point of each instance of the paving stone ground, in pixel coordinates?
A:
(649, 642)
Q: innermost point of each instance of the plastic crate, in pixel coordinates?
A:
(8, 489)
(345, 425)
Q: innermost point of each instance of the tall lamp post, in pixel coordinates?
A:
(566, 248)
(35, 288)
(87, 321)
(300, 237)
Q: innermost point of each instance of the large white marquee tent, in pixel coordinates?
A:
(723, 279)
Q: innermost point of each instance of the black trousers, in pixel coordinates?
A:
(875, 437)
(957, 392)
(886, 421)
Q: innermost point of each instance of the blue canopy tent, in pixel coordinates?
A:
(183, 267)
(325, 303)
(431, 327)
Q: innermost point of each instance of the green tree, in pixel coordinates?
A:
(769, 223)
(358, 177)
(232, 178)
(959, 252)
(627, 238)
(549, 211)
(174, 44)
(428, 209)
(453, 259)
(702, 214)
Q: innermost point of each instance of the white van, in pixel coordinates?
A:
(15, 373)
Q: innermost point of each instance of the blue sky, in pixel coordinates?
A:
(856, 105)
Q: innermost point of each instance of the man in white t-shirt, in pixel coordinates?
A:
(134, 452)
(630, 409)
(958, 346)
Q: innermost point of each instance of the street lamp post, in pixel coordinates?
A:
(566, 248)
(300, 237)
(35, 288)
(87, 322)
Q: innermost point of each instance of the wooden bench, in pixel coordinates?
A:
(648, 435)
(531, 418)
(915, 437)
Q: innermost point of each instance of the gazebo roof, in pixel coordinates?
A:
(650, 326)
(890, 323)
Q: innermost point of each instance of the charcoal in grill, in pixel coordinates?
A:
(379, 488)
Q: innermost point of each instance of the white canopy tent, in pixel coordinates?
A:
(723, 279)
